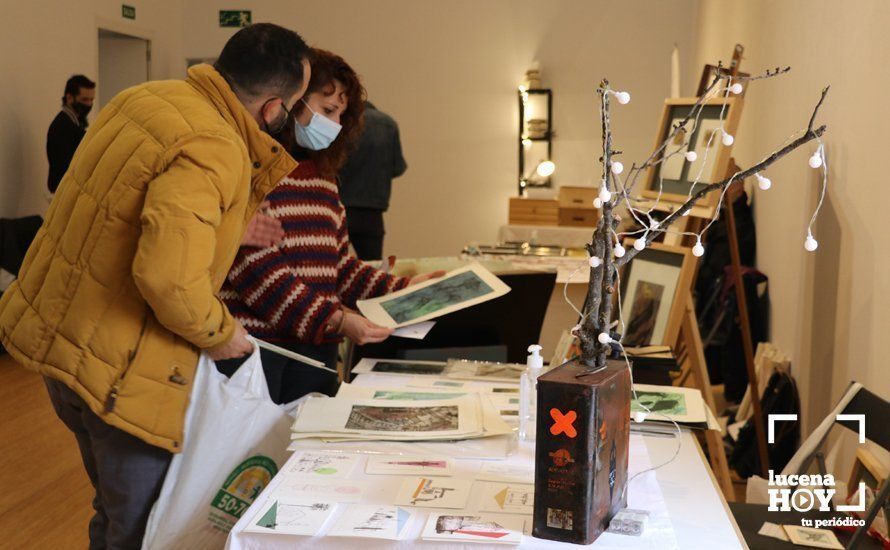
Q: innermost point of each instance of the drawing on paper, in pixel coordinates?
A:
(403, 419)
(470, 525)
(668, 403)
(390, 395)
(446, 293)
(393, 367)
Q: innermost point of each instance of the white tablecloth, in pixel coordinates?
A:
(687, 510)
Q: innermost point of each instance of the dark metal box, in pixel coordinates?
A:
(583, 433)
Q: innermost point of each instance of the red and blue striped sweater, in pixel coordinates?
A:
(289, 293)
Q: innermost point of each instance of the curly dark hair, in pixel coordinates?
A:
(328, 68)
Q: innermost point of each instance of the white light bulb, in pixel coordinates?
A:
(595, 261)
(727, 139)
(597, 203)
(691, 156)
(810, 244)
(736, 88)
(815, 160)
(604, 338)
(619, 250)
(617, 167)
(698, 250)
(639, 417)
(527, 143)
(605, 195)
(763, 182)
(622, 97)
(546, 168)
(640, 244)
(686, 213)
(653, 225)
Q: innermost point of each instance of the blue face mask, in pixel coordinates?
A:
(319, 134)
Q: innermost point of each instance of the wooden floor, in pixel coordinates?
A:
(45, 496)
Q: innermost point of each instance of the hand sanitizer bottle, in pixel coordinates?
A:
(528, 393)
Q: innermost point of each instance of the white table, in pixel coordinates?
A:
(690, 511)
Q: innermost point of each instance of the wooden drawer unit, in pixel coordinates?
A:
(577, 197)
(533, 211)
(578, 217)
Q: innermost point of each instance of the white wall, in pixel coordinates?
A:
(42, 45)
(448, 73)
(831, 310)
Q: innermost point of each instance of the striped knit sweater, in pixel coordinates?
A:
(289, 293)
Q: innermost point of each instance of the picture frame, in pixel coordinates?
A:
(676, 173)
(654, 288)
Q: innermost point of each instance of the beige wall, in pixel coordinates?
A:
(448, 72)
(831, 310)
(44, 43)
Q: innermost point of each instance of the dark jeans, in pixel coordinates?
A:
(365, 226)
(126, 472)
(290, 380)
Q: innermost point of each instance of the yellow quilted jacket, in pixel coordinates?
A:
(117, 293)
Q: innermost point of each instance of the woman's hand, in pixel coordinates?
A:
(425, 277)
(263, 230)
(362, 331)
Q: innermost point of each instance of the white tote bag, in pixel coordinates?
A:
(235, 440)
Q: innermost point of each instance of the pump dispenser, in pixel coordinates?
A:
(528, 393)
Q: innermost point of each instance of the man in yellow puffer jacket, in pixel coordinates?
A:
(117, 294)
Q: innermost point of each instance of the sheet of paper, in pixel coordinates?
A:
(480, 528)
(437, 383)
(324, 465)
(679, 404)
(291, 518)
(815, 538)
(397, 394)
(403, 419)
(773, 530)
(394, 366)
(457, 290)
(408, 465)
(374, 521)
(507, 498)
(488, 371)
(417, 331)
(428, 492)
(321, 490)
(498, 471)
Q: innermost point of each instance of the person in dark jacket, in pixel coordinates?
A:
(69, 127)
(366, 182)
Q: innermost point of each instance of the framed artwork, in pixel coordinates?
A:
(675, 173)
(654, 287)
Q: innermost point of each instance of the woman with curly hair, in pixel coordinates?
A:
(301, 294)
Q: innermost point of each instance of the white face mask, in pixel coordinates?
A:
(319, 134)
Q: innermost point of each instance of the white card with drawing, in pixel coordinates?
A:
(323, 465)
(325, 490)
(497, 471)
(481, 528)
(427, 492)
(291, 518)
(408, 465)
(506, 498)
(376, 521)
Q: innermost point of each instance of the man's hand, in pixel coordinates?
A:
(238, 346)
(263, 230)
(425, 277)
(362, 331)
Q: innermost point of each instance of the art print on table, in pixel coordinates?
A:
(676, 403)
(425, 492)
(291, 518)
(486, 371)
(372, 521)
(507, 498)
(403, 419)
(669, 403)
(392, 366)
(474, 528)
(809, 536)
(497, 471)
(322, 490)
(320, 464)
(408, 465)
(390, 395)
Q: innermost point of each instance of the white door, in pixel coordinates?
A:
(124, 61)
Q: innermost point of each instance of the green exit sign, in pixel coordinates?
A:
(234, 18)
(128, 12)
